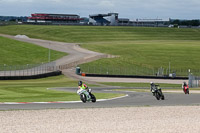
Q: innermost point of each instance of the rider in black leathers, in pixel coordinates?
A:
(153, 88)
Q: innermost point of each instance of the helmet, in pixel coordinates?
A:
(80, 83)
(151, 83)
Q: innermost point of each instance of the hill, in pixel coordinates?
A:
(14, 52)
(137, 47)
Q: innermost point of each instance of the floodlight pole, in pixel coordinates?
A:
(49, 53)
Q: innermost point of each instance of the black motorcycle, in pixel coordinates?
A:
(158, 93)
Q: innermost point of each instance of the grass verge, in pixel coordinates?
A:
(174, 90)
(162, 85)
(36, 90)
(14, 52)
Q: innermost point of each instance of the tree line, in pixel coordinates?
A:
(185, 22)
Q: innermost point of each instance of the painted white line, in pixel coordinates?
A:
(99, 100)
(10, 103)
(112, 98)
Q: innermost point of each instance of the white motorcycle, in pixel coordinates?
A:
(86, 96)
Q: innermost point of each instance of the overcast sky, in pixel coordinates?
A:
(132, 9)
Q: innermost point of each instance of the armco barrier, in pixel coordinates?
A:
(134, 76)
(55, 73)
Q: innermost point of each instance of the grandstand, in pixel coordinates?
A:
(44, 18)
(104, 19)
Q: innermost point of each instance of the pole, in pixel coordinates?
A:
(49, 53)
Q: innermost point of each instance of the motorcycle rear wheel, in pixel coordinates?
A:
(163, 97)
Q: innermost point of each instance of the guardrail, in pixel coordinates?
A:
(27, 70)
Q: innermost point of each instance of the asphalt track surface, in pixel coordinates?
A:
(130, 100)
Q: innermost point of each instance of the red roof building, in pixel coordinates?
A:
(54, 18)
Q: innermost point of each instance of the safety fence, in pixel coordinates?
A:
(43, 68)
(27, 70)
(135, 70)
(194, 81)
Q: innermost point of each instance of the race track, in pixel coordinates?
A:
(77, 54)
(131, 99)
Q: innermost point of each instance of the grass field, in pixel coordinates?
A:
(162, 85)
(14, 52)
(140, 47)
(86, 34)
(137, 47)
(36, 90)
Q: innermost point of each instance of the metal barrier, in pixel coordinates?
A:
(134, 70)
(194, 81)
(27, 70)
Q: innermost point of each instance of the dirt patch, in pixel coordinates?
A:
(108, 120)
(21, 36)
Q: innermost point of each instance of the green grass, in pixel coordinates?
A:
(14, 52)
(148, 90)
(162, 85)
(36, 90)
(142, 87)
(142, 50)
(146, 57)
(85, 34)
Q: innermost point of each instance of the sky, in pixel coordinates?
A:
(132, 9)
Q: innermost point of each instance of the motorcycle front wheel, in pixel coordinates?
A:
(187, 91)
(93, 98)
(83, 98)
(157, 96)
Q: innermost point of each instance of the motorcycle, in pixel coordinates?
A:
(86, 96)
(186, 89)
(158, 93)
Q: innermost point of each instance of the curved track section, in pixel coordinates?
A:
(133, 99)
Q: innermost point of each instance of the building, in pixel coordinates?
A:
(113, 20)
(103, 19)
(60, 19)
(150, 22)
(123, 21)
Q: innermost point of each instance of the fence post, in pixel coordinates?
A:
(10, 67)
(26, 69)
(4, 69)
(34, 69)
(15, 71)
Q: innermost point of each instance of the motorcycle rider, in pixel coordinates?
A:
(84, 87)
(153, 88)
(184, 85)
